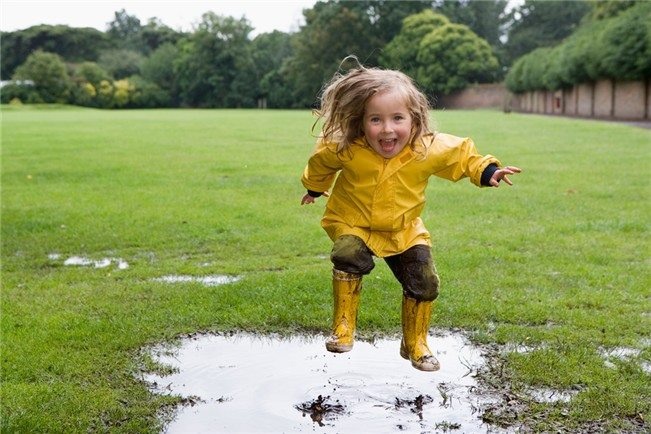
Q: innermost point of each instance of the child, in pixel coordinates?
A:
(376, 143)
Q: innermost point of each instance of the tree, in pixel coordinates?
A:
(618, 48)
(89, 72)
(332, 31)
(402, 52)
(72, 44)
(539, 23)
(270, 52)
(626, 44)
(603, 9)
(452, 56)
(158, 69)
(155, 34)
(486, 18)
(125, 31)
(214, 68)
(48, 72)
(121, 63)
(336, 29)
(146, 94)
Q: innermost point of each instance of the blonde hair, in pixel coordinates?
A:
(344, 98)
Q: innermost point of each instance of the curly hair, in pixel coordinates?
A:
(344, 98)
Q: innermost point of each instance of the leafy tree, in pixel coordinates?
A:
(125, 31)
(626, 44)
(385, 17)
(122, 91)
(146, 94)
(89, 72)
(270, 52)
(155, 34)
(402, 52)
(452, 56)
(72, 44)
(86, 78)
(514, 80)
(158, 69)
(49, 74)
(578, 58)
(603, 9)
(538, 23)
(617, 48)
(336, 29)
(486, 18)
(214, 68)
(105, 94)
(332, 31)
(17, 92)
(120, 63)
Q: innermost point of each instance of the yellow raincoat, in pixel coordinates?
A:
(380, 200)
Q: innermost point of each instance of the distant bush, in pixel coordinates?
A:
(48, 72)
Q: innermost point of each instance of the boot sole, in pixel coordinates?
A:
(338, 348)
(427, 366)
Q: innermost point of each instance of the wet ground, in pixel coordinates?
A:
(249, 383)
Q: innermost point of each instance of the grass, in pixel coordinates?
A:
(558, 263)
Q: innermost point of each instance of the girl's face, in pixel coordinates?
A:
(387, 123)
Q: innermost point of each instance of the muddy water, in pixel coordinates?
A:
(254, 384)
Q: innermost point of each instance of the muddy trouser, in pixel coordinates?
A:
(414, 268)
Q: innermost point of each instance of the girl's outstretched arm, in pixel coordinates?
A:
(501, 174)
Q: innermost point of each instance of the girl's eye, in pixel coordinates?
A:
(375, 120)
(398, 117)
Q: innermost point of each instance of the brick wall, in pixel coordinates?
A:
(476, 96)
(604, 99)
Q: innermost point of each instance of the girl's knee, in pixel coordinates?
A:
(419, 277)
(424, 287)
(350, 254)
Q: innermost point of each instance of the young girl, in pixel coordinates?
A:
(377, 144)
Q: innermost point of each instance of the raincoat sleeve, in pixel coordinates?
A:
(322, 168)
(455, 158)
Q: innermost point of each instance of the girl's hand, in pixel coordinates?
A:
(501, 174)
(307, 199)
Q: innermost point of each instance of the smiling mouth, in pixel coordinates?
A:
(388, 145)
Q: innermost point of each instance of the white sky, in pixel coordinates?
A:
(264, 15)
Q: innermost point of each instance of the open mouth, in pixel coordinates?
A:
(388, 145)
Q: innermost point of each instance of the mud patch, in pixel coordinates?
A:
(415, 405)
(320, 409)
(273, 384)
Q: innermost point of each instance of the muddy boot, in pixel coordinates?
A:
(415, 324)
(346, 288)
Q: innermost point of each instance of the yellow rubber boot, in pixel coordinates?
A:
(415, 325)
(346, 288)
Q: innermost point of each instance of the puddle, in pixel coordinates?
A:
(213, 280)
(250, 383)
(551, 396)
(82, 261)
(621, 353)
(624, 354)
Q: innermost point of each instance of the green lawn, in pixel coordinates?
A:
(559, 263)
